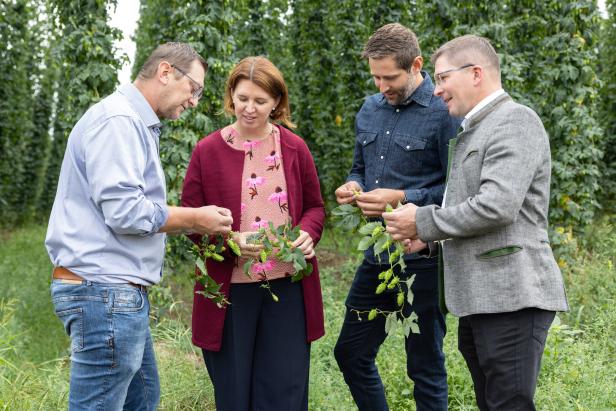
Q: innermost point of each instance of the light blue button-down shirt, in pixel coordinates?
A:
(111, 196)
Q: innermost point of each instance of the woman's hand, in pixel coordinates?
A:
(304, 242)
(247, 250)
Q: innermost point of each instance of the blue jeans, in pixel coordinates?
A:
(359, 341)
(113, 366)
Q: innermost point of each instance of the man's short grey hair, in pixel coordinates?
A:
(468, 49)
(180, 55)
(396, 41)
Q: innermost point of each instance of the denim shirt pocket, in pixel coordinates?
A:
(366, 139)
(409, 149)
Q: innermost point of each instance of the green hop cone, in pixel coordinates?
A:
(389, 208)
(381, 288)
(234, 247)
(372, 314)
(394, 256)
(388, 274)
(263, 256)
(393, 282)
(217, 257)
(377, 230)
(274, 297)
(400, 299)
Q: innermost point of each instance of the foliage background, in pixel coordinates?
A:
(58, 59)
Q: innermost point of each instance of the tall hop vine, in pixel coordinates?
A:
(350, 218)
(277, 245)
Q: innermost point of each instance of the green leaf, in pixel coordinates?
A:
(247, 266)
(201, 266)
(391, 323)
(365, 243)
(369, 228)
(409, 296)
(413, 321)
(380, 244)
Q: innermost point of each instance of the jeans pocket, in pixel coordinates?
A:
(126, 300)
(72, 319)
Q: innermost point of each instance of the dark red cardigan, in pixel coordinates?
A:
(214, 177)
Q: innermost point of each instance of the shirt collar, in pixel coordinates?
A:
(141, 105)
(487, 100)
(422, 94)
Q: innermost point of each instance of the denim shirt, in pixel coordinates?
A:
(404, 147)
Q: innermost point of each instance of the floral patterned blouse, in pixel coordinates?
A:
(264, 198)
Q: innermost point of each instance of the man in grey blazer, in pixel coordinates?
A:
(500, 276)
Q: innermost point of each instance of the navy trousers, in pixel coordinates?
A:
(264, 360)
(359, 341)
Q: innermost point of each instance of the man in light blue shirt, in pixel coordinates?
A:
(106, 234)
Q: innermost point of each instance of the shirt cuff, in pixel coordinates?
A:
(159, 219)
(358, 181)
(412, 196)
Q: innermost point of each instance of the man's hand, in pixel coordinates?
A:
(401, 222)
(373, 202)
(304, 242)
(346, 193)
(247, 250)
(413, 246)
(211, 220)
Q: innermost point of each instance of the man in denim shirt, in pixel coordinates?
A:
(106, 234)
(400, 156)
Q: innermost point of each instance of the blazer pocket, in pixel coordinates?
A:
(470, 154)
(499, 252)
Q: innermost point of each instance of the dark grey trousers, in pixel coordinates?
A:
(503, 352)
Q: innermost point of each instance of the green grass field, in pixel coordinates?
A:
(579, 366)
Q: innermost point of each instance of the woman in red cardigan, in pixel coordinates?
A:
(256, 350)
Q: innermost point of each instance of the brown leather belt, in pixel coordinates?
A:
(67, 276)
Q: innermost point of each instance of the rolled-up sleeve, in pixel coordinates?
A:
(117, 156)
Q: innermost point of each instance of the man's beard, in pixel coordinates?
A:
(404, 94)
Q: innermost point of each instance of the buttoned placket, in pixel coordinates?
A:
(384, 144)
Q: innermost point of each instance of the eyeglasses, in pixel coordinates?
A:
(198, 91)
(439, 76)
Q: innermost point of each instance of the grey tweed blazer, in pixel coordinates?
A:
(497, 256)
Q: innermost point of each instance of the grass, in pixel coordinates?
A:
(578, 373)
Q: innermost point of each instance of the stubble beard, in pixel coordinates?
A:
(410, 87)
